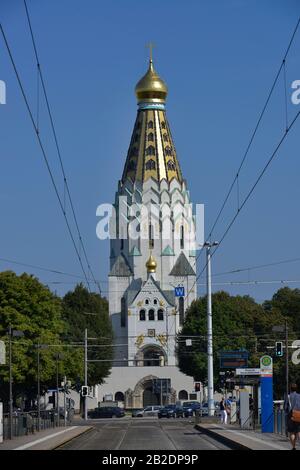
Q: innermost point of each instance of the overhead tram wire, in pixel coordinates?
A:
(44, 153)
(58, 148)
(287, 129)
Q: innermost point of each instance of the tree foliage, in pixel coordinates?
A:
(81, 310)
(238, 323)
(53, 324)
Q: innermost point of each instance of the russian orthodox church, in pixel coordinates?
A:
(152, 253)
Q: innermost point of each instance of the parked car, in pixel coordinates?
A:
(191, 405)
(107, 412)
(136, 413)
(171, 411)
(149, 411)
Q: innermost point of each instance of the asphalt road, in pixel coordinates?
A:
(143, 434)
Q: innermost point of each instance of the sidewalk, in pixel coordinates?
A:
(242, 439)
(48, 439)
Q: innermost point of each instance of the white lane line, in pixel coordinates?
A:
(38, 441)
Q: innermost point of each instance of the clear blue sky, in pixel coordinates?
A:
(218, 57)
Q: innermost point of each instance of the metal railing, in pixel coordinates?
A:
(25, 423)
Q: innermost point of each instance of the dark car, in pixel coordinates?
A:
(107, 412)
(171, 411)
(192, 405)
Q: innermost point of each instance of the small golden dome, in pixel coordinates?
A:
(151, 265)
(151, 88)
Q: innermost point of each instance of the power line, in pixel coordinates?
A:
(43, 152)
(58, 147)
(287, 129)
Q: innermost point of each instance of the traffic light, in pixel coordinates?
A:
(197, 386)
(84, 390)
(278, 349)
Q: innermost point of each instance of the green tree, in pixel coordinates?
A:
(29, 306)
(238, 323)
(75, 305)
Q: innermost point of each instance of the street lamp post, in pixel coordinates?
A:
(11, 333)
(210, 365)
(59, 356)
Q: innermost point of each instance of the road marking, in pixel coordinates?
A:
(38, 441)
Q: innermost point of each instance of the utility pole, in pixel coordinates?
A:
(85, 370)
(287, 358)
(38, 387)
(16, 333)
(10, 386)
(210, 364)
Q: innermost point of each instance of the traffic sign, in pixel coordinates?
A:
(2, 353)
(179, 291)
(266, 366)
(247, 371)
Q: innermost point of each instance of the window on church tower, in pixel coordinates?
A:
(171, 165)
(168, 150)
(181, 310)
(150, 150)
(123, 312)
(147, 301)
(151, 239)
(155, 301)
(166, 138)
(151, 315)
(150, 137)
(163, 124)
(160, 315)
(150, 165)
(182, 237)
(142, 315)
(150, 125)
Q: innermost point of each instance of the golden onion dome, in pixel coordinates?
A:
(151, 88)
(151, 265)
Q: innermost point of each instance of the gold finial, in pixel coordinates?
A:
(151, 264)
(151, 88)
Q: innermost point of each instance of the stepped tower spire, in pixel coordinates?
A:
(151, 152)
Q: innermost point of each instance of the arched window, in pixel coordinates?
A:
(150, 137)
(150, 150)
(119, 396)
(160, 315)
(150, 125)
(182, 237)
(134, 152)
(132, 165)
(171, 165)
(147, 301)
(163, 124)
(183, 395)
(166, 138)
(155, 301)
(123, 311)
(142, 315)
(151, 315)
(150, 165)
(168, 150)
(181, 310)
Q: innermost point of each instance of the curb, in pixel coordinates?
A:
(224, 440)
(69, 439)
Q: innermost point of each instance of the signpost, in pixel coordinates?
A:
(266, 384)
(179, 291)
(233, 359)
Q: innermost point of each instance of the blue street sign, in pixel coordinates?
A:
(179, 291)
